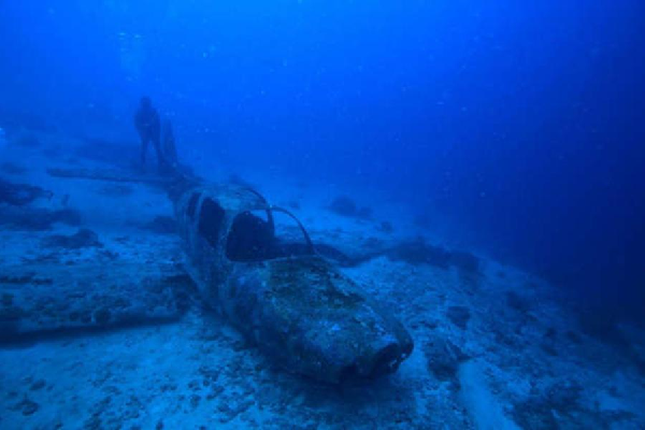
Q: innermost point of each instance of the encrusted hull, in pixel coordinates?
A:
(300, 310)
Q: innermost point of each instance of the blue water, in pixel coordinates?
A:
(511, 128)
(520, 123)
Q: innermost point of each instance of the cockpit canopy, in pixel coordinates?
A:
(254, 235)
(266, 235)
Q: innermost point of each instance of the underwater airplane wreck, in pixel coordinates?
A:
(280, 293)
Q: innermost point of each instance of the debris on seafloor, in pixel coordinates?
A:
(83, 238)
(443, 358)
(345, 206)
(21, 194)
(418, 251)
(36, 219)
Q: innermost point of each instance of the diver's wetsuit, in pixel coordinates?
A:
(148, 125)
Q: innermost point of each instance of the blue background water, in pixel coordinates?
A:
(522, 123)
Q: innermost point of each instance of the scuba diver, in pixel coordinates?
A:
(168, 147)
(171, 166)
(147, 123)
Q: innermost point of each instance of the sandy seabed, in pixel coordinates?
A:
(109, 334)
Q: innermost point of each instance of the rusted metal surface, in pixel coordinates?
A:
(299, 309)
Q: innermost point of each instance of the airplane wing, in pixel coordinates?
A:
(112, 175)
(45, 297)
(60, 274)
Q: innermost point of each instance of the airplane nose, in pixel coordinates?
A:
(383, 361)
(387, 360)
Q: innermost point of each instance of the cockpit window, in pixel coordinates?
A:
(192, 205)
(210, 221)
(261, 235)
(251, 237)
